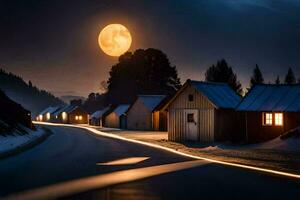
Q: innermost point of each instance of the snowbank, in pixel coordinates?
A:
(12, 142)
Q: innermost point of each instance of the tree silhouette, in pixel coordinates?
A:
(30, 96)
(257, 77)
(142, 72)
(277, 81)
(290, 77)
(222, 73)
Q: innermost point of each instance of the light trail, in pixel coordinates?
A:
(110, 135)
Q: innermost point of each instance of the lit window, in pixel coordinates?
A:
(48, 116)
(80, 117)
(64, 115)
(278, 119)
(268, 119)
(76, 117)
(41, 117)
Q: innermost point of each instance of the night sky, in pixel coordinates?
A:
(54, 43)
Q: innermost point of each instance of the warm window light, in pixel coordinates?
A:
(76, 117)
(41, 117)
(64, 115)
(278, 119)
(48, 116)
(80, 117)
(268, 119)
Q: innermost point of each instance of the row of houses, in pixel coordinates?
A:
(199, 111)
(70, 114)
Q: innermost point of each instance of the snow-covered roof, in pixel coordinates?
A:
(271, 97)
(50, 109)
(99, 113)
(121, 109)
(220, 94)
(151, 101)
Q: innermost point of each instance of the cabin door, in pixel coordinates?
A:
(191, 121)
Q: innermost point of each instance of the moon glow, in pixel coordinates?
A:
(114, 39)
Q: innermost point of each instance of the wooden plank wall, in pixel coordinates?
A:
(177, 121)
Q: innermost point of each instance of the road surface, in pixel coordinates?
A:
(72, 153)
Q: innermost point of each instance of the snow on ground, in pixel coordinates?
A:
(12, 142)
(289, 144)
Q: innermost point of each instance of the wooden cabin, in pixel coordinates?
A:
(204, 111)
(144, 114)
(270, 110)
(97, 117)
(71, 114)
(117, 118)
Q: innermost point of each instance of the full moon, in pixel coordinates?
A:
(114, 39)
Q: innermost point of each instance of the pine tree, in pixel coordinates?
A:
(290, 77)
(223, 73)
(257, 77)
(277, 81)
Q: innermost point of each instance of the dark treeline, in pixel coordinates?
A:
(31, 97)
(150, 72)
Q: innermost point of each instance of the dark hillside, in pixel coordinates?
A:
(12, 114)
(31, 97)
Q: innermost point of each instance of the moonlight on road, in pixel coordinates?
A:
(114, 39)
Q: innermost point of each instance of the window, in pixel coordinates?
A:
(48, 116)
(64, 115)
(191, 97)
(267, 119)
(76, 117)
(80, 117)
(278, 119)
(190, 117)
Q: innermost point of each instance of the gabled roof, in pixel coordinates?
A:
(99, 113)
(220, 94)
(61, 110)
(271, 97)
(151, 101)
(50, 109)
(121, 109)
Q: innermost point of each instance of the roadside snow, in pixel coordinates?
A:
(289, 144)
(11, 142)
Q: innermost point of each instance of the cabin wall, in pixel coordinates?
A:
(139, 117)
(77, 112)
(229, 125)
(160, 120)
(257, 132)
(112, 120)
(177, 124)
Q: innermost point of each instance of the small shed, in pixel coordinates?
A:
(270, 110)
(204, 111)
(144, 114)
(96, 118)
(117, 118)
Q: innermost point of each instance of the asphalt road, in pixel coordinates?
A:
(73, 153)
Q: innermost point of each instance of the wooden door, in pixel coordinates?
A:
(191, 121)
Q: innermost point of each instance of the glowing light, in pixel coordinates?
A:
(278, 119)
(110, 135)
(114, 39)
(125, 161)
(48, 116)
(267, 119)
(80, 117)
(41, 117)
(64, 115)
(76, 117)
